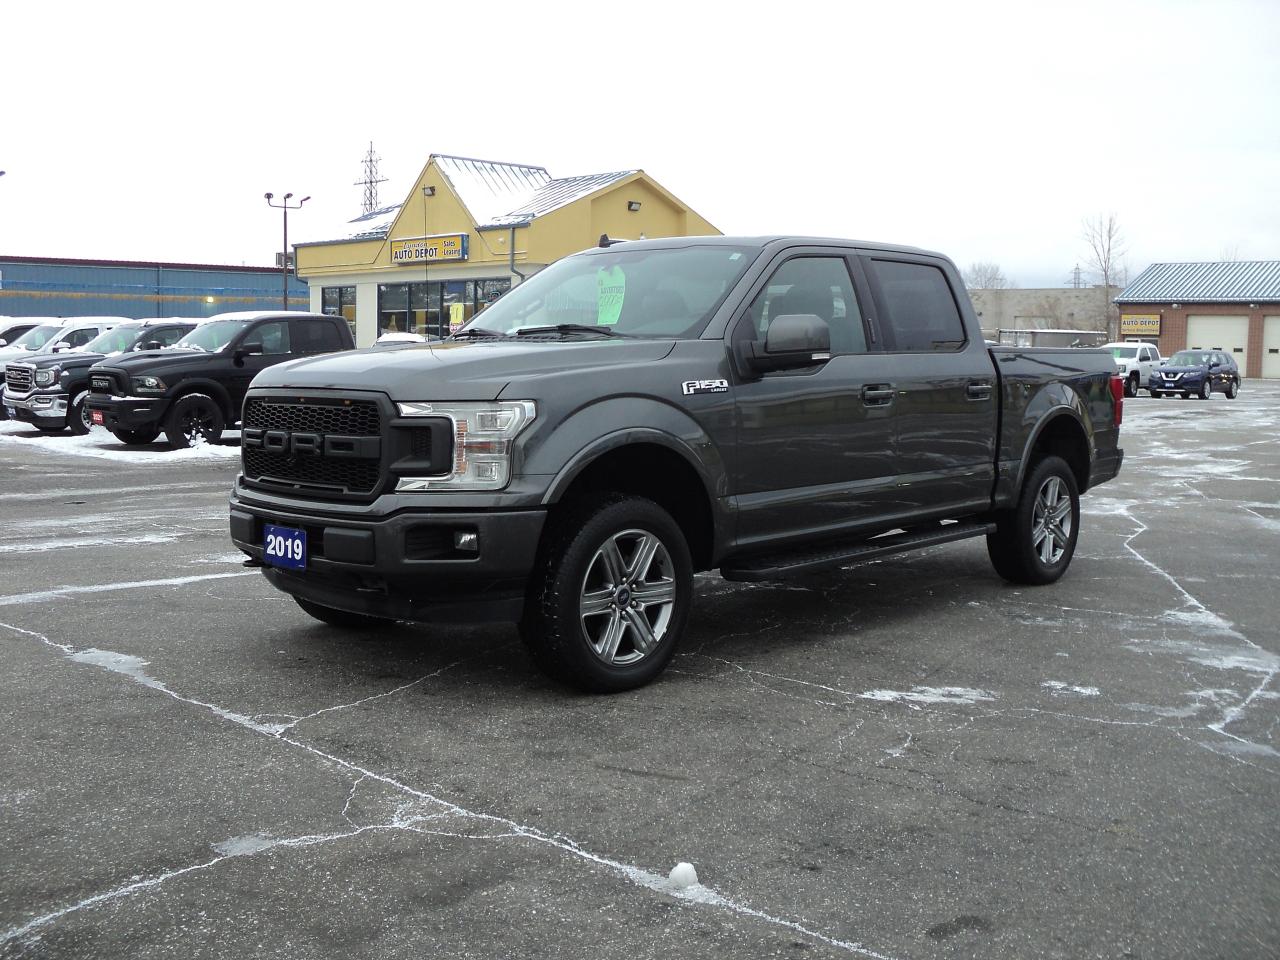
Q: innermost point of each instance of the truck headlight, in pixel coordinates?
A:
(482, 435)
(148, 385)
(47, 377)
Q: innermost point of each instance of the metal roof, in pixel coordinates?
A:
(555, 194)
(1239, 281)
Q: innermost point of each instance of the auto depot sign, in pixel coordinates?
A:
(1139, 324)
(449, 246)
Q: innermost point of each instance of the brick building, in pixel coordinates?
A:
(1232, 306)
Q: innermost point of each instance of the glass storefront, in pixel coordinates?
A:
(433, 307)
(340, 302)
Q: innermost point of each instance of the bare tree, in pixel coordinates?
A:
(1105, 259)
(986, 275)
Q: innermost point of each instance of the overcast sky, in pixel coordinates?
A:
(985, 130)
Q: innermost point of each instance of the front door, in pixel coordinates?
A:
(815, 448)
(268, 344)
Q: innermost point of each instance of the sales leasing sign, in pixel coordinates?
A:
(450, 246)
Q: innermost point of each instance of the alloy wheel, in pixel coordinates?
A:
(1051, 521)
(627, 597)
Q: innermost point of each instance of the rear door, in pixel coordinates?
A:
(310, 337)
(944, 382)
(814, 452)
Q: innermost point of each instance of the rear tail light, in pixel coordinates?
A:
(1117, 397)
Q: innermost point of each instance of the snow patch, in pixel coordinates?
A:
(929, 695)
(683, 875)
(244, 846)
(1057, 686)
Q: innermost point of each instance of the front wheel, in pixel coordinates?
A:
(610, 596)
(1035, 540)
(78, 416)
(341, 618)
(1206, 389)
(1233, 388)
(194, 419)
(1131, 386)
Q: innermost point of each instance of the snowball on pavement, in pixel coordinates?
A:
(683, 875)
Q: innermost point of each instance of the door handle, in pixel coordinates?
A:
(877, 394)
(979, 391)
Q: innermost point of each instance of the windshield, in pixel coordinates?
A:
(116, 340)
(1189, 358)
(212, 337)
(1124, 353)
(37, 337)
(633, 293)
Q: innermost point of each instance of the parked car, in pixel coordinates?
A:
(636, 413)
(1197, 373)
(1135, 363)
(50, 391)
(13, 327)
(54, 335)
(193, 390)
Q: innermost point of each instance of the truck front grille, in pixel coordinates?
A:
(318, 447)
(103, 382)
(18, 378)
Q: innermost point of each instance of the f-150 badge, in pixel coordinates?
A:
(704, 386)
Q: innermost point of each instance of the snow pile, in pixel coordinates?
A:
(683, 875)
(102, 445)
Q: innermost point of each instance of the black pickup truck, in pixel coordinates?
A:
(193, 390)
(636, 413)
(50, 391)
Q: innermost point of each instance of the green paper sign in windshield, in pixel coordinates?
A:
(612, 289)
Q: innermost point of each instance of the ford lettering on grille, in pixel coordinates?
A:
(289, 443)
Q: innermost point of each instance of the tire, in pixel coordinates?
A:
(78, 415)
(1206, 389)
(342, 618)
(1233, 389)
(194, 416)
(135, 437)
(1015, 550)
(610, 594)
(1131, 386)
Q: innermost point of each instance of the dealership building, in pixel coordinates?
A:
(59, 287)
(466, 232)
(1232, 306)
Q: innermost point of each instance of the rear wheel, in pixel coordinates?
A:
(610, 596)
(135, 437)
(195, 418)
(341, 618)
(1035, 541)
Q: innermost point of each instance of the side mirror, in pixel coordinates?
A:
(792, 341)
(1214, 365)
(250, 349)
(151, 345)
(3, 342)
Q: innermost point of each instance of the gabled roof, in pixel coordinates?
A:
(496, 194)
(1241, 281)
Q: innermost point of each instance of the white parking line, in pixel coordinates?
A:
(43, 596)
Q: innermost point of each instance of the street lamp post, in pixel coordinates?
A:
(284, 263)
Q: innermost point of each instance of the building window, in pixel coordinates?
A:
(340, 302)
(433, 308)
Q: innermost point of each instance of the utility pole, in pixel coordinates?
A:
(285, 206)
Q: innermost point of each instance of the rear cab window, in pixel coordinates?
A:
(918, 307)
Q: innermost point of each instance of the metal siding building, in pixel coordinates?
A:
(55, 287)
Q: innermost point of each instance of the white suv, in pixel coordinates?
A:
(1135, 361)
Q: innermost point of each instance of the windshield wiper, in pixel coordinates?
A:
(474, 332)
(568, 328)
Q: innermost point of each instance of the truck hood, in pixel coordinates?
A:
(457, 370)
(67, 361)
(152, 362)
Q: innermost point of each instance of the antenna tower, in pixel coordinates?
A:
(370, 181)
(1077, 280)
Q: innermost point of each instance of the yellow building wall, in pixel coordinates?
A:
(550, 237)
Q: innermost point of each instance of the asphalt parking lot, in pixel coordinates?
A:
(908, 759)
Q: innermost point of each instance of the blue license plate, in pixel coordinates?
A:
(284, 546)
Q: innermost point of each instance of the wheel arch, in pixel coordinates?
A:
(210, 388)
(1060, 432)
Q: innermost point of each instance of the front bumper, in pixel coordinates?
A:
(43, 408)
(404, 566)
(129, 413)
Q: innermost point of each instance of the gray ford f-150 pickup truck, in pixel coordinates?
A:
(638, 412)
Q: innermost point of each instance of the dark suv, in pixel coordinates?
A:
(1197, 373)
(194, 390)
(49, 392)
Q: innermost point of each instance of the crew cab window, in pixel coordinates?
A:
(922, 310)
(814, 285)
(272, 337)
(168, 336)
(316, 336)
(78, 338)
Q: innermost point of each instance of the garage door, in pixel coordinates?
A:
(1221, 333)
(1271, 347)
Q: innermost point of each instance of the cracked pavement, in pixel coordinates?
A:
(907, 759)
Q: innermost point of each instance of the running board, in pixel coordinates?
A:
(782, 565)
